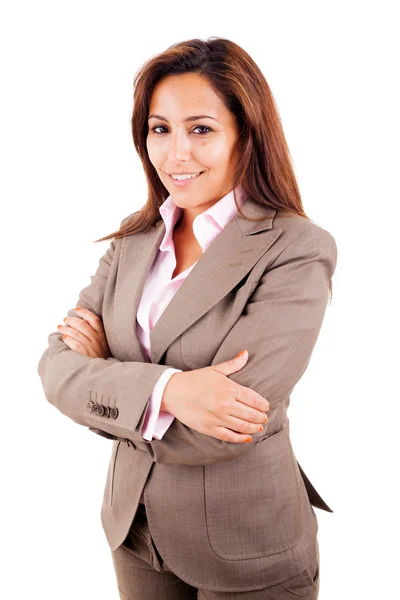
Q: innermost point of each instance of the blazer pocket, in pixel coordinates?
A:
(253, 503)
(109, 487)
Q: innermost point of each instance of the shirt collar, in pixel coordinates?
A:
(207, 224)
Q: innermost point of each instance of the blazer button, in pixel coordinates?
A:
(106, 411)
(94, 408)
(89, 406)
(114, 412)
(100, 410)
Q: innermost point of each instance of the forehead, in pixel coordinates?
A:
(177, 96)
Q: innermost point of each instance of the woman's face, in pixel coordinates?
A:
(179, 143)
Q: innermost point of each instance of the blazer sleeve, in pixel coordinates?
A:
(279, 327)
(108, 396)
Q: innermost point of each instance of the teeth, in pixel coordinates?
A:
(181, 177)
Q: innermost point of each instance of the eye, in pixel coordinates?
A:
(203, 127)
(197, 127)
(156, 127)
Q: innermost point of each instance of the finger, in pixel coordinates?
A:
(76, 335)
(91, 318)
(80, 326)
(227, 435)
(247, 413)
(253, 399)
(244, 425)
(74, 345)
(83, 326)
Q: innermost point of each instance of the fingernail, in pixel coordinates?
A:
(77, 308)
(248, 439)
(266, 419)
(58, 326)
(261, 428)
(240, 354)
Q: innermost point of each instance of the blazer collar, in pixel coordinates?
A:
(227, 260)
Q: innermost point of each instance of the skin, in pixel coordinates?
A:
(85, 334)
(204, 144)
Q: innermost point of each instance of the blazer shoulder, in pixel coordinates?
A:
(126, 219)
(294, 227)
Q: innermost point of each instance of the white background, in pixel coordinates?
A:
(69, 176)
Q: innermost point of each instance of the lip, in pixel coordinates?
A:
(185, 182)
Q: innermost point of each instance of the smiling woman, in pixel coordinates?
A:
(202, 317)
(192, 142)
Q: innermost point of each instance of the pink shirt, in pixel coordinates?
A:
(160, 287)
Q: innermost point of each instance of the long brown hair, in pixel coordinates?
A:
(264, 169)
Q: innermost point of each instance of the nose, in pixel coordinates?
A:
(179, 147)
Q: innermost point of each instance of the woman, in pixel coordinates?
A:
(204, 498)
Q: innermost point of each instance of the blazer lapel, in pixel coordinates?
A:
(226, 261)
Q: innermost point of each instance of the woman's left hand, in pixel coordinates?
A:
(85, 335)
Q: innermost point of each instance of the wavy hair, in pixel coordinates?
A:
(264, 169)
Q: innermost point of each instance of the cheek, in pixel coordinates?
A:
(149, 149)
(155, 154)
(218, 154)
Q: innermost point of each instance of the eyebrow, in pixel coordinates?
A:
(192, 118)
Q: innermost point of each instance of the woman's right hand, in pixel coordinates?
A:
(209, 402)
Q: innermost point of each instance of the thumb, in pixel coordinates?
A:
(234, 364)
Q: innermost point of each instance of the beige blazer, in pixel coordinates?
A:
(223, 515)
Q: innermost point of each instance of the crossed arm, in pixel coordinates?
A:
(279, 329)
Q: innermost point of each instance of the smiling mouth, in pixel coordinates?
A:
(174, 174)
(186, 181)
